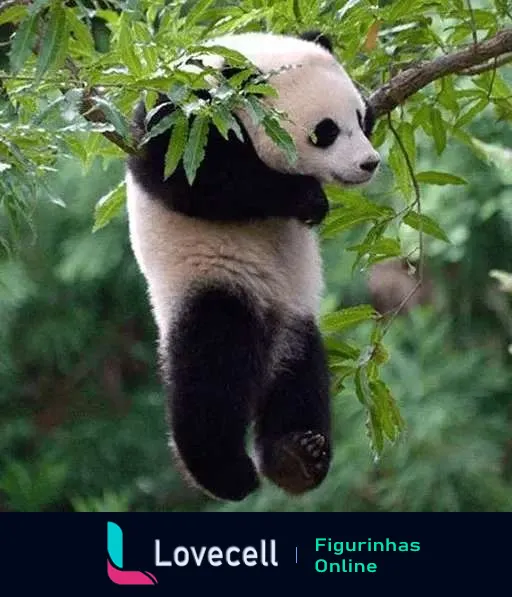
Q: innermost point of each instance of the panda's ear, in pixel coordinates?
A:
(319, 38)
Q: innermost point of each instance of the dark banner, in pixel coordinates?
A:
(239, 553)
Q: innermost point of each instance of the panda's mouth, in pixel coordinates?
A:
(350, 183)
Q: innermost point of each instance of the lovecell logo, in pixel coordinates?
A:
(115, 561)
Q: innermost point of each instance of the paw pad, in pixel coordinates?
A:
(299, 461)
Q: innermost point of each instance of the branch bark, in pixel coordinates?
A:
(410, 81)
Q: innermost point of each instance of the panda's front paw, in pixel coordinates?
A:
(314, 207)
(297, 462)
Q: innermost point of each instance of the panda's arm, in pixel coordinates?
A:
(232, 183)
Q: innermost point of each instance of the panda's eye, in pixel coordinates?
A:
(325, 133)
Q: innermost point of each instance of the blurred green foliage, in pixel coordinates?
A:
(82, 424)
(82, 413)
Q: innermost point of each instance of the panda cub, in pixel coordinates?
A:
(235, 276)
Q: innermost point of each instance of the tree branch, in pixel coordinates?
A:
(407, 83)
(90, 111)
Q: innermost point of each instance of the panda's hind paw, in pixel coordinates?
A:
(297, 462)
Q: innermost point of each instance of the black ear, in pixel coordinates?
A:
(319, 38)
(369, 119)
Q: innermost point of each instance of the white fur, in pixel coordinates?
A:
(276, 260)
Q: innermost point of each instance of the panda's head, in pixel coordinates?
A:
(326, 116)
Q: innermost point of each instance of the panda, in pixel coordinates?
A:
(234, 273)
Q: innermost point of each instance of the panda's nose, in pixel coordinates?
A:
(370, 164)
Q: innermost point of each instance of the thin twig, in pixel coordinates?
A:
(483, 68)
(473, 22)
(417, 202)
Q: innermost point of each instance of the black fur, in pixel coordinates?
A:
(293, 422)
(319, 38)
(219, 380)
(369, 119)
(326, 132)
(217, 361)
(232, 182)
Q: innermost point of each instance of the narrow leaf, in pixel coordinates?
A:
(13, 14)
(438, 130)
(176, 145)
(281, 138)
(439, 178)
(109, 206)
(160, 127)
(341, 320)
(198, 9)
(23, 42)
(194, 150)
(126, 46)
(426, 225)
(114, 116)
(54, 41)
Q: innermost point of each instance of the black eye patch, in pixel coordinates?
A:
(325, 133)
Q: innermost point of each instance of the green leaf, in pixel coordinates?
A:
(406, 134)
(253, 106)
(224, 120)
(379, 134)
(54, 41)
(233, 57)
(23, 42)
(114, 116)
(426, 225)
(401, 8)
(176, 145)
(340, 349)
(160, 127)
(447, 96)
(109, 206)
(439, 178)
(198, 9)
(398, 165)
(381, 248)
(126, 46)
(336, 223)
(239, 78)
(221, 119)
(469, 115)
(281, 138)
(391, 418)
(13, 14)
(341, 320)
(375, 431)
(438, 130)
(261, 89)
(194, 150)
(81, 32)
(359, 386)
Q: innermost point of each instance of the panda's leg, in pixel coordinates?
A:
(215, 361)
(293, 423)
